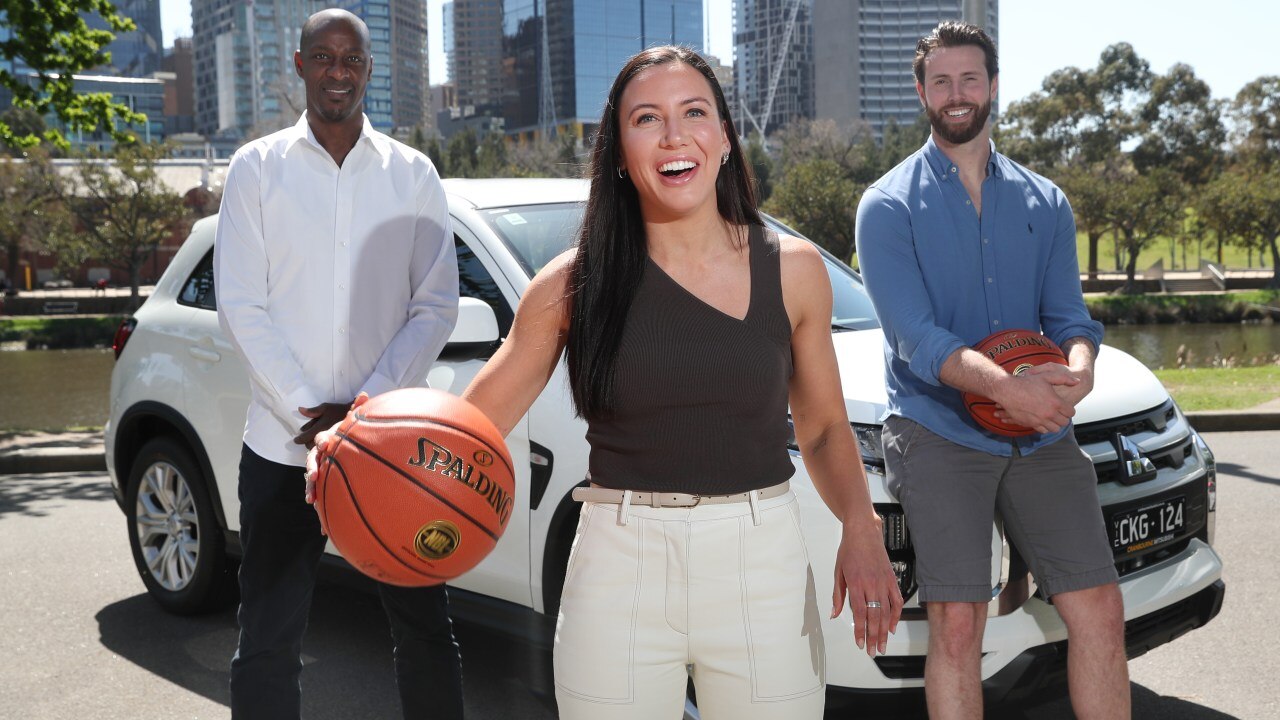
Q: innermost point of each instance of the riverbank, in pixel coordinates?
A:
(1228, 307)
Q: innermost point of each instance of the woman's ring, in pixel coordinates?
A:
(872, 604)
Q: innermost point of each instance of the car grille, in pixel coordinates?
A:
(1171, 453)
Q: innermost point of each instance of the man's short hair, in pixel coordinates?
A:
(954, 33)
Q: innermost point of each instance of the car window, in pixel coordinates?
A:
(475, 281)
(197, 291)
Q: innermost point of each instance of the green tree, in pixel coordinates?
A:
(1260, 215)
(22, 122)
(418, 139)
(52, 38)
(1086, 189)
(1145, 207)
(816, 198)
(1079, 115)
(1181, 128)
(123, 210)
(460, 154)
(896, 143)
(1223, 205)
(761, 166)
(545, 157)
(436, 153)
(491, 156)
(29, 205)
(1256, 116)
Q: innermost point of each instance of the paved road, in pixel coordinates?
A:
(82, 639)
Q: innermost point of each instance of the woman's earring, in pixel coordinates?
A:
(724, 158)
(622, 173)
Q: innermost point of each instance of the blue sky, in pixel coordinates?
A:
(1226, 41)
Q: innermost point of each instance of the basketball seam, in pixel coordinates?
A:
(496, 453)
(355, 504)
(368, 451)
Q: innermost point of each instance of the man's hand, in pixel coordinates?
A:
(320, 444)
(323, 417)
(1034, 398)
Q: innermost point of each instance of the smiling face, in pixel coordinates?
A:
(956, 92)
(335, 66)
(671, 140)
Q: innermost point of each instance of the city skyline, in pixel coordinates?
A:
(1160, 31)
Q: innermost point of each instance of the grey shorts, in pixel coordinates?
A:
(1048, 501)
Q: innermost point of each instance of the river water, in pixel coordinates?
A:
(52, 389)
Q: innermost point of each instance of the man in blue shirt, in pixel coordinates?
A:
(956, 243)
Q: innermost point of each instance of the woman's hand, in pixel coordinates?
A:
(864, 574)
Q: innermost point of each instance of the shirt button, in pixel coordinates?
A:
(995, 322)
(989, 281)
(953, 168)
(967, 202)
(344, 243)
(342, 331)
(342, 287)
(986, 241)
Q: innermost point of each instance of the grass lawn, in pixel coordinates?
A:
(1233, 257)
(1222, 388)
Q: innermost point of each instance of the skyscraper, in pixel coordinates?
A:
(560, 56)
(476, 64)
(864, 50)
(245, 80)
(137, 52)
(773, 69)
(446, 35)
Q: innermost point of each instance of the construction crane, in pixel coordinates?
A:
(776, 74)
(547, 105)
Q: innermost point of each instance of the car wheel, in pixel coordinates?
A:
(173, 532)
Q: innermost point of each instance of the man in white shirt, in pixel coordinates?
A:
(336, 274)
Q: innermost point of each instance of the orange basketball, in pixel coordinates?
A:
(1015, 351)
(416, 487)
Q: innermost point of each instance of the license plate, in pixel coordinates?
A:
(1146, 527)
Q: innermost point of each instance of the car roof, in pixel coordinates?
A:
(505, 192)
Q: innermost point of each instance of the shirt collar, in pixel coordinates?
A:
(943, 166)
(378, 141)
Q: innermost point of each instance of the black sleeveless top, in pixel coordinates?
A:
(701, 397)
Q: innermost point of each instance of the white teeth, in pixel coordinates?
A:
(676, 165)
(959, 113)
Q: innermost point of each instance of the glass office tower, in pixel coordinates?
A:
(560, 56)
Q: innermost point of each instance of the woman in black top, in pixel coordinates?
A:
(688, 329)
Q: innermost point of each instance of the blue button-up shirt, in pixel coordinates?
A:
(943, 277)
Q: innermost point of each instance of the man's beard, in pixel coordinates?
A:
(959, 134)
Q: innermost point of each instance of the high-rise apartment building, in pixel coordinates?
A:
(863, 53)
(560, 56)
(137, 52)
(377, 94)
(446, 35)
(773, 68)
(396, 97)
(245, 80)
(476, 65)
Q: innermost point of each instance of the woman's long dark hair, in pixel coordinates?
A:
(611, 246)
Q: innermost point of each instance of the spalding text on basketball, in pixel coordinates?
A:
(440, 459)
(1004, 347)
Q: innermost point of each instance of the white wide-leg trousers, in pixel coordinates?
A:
(722, 592)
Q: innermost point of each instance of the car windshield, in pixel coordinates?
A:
(537, 233)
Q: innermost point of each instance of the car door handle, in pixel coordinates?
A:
(205, 355)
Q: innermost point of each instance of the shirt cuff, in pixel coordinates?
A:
(300, 398)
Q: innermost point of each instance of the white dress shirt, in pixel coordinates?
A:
(331, 280)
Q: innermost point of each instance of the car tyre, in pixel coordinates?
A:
(174, 536)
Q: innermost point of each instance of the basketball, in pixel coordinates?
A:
(415, 487)
(1015, 351)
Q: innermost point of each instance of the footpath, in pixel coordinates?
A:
(29, 453)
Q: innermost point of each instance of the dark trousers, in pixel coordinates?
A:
(282, 543)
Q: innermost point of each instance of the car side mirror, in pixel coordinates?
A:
(475, 335)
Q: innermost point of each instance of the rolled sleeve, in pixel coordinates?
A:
(1063, 313)
(891, 271)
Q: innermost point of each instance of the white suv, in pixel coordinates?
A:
(179, 393)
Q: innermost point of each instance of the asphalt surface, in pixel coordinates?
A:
(82, 639)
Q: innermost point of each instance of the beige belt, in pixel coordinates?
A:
(661, 500)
